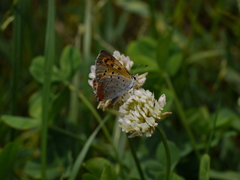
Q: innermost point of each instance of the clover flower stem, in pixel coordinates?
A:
(165, 144)
(182, 116)
(136, 159)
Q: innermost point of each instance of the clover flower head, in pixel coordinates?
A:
(141, 112)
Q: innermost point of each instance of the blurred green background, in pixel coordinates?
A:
(192, 52)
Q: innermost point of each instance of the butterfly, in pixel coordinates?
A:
(112, 79)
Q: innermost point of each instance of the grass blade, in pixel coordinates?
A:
(84, 151)
(49, 58)
(182, 117)
(213, 129)
(16, 54)
(87, 45)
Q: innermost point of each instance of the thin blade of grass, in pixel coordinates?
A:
(87, 44)
(84, 151)
(49, 58)
(182, 116)
(74, 108)
(213, 129)
(95, 114)
(16, 54)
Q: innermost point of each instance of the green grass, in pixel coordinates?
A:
(50, 127)
(49, 54)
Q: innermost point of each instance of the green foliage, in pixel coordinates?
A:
(224, 175)
(69, 63)
(37, 70)
(191, 49)
(174, 153)
(204, 167)
(8, 158)
(100, 168)
(21, 123)
(143, 51)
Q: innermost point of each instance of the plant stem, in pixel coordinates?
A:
(16, 54)
(49, 58)
(136, 159)
(164, 139)
(213, 129)
(73, 106)
(82, 154)
(182, 116)
(87, 44)
(97, 116)
(16, 57)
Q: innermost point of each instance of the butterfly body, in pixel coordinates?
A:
(112, 78)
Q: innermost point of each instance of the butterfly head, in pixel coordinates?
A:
(134, 80)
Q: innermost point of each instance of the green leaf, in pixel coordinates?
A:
(174, 153)
(225, 118)
(163, 49)
(88, 176)
(37, 70)
(108, 173)
(145, 46)
(69, 61)
(232, 77)
(174, 176)
(229, 175)
(4, 129)
(200, 57)
(153, 167)
(58, 101)
(7, 158)
(174, 63)
(96, 166)
(35, 105)
(21, 123)
(143, 52)
(137, 7)
(33, 169)
(84, 151)
(204, 167)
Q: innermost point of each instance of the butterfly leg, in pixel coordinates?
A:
(114, 100)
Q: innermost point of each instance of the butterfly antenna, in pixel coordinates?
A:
(143, 67)
(136, 68)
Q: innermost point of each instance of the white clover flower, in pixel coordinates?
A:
(141, 79)
(91, 75)
(125, 61)
(141, 112)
